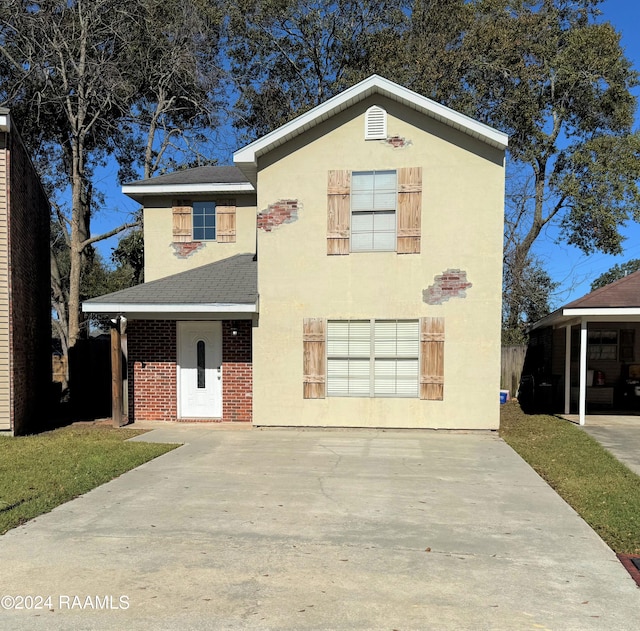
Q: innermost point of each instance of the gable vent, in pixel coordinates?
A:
(375, 123)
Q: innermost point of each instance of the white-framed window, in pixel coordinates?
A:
(375, 123)
(204, 221)
(373, 358)
(602, 344)
(374, 197)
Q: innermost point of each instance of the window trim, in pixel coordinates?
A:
(373, 212)
(600, 345)
(203, 228)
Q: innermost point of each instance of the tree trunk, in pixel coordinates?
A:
(521, 253)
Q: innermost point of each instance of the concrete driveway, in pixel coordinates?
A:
(620, 435)
(313, 529)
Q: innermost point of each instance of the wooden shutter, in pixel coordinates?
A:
(182, 231)
(432, 359)
(226, 221)
(409, 210)
(339, 212)
(314, 350)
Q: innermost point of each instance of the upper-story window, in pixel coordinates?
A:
(375, 123)
(373, 211)
(197, 221)
(370, 211)
(204, 221)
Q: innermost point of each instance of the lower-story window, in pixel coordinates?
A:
(373, 358)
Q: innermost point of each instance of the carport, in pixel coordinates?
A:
(587, 351)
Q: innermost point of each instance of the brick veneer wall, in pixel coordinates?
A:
(152, 361)
(29, 290)
(237, 371)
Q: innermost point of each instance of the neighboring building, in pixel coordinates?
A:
(25, 282)
(585, 356)
(377, 263)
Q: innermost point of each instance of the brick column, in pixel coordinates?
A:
(237, 371)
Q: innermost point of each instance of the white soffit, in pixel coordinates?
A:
(602, 311)
(248, 156)
(5, 123)
(120, 307)
(163, 189)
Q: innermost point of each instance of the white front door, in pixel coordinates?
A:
(200, 369)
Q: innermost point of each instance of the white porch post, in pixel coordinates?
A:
(567, 370)
(582, 402)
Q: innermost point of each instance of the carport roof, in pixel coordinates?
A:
(617, 300)
(225, 286)
(624, 292)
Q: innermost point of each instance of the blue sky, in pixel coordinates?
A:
(567, 266)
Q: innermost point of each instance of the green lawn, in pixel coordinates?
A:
(600, 488)
(40, 472)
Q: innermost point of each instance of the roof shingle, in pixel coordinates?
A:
(230, 281)
(197, 175)
(621, 293)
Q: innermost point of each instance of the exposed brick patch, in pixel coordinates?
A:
(452, 283)
(283, 211)
(185, 250)
(397, 142)
(153, 393)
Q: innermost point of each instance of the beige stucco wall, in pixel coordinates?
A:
(160, 258)
(462, 215)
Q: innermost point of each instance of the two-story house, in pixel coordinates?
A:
(346, 271)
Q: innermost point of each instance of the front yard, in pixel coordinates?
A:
(601, 489)
(40, 472)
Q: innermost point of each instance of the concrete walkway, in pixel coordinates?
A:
(295, 529)
(620, 435)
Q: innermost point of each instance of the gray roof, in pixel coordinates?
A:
(230, 281)
(197, 175)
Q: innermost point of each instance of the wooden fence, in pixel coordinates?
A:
(58, 368)
(512, 363)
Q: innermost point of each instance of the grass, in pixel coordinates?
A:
(40, 472)
(601, 489)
